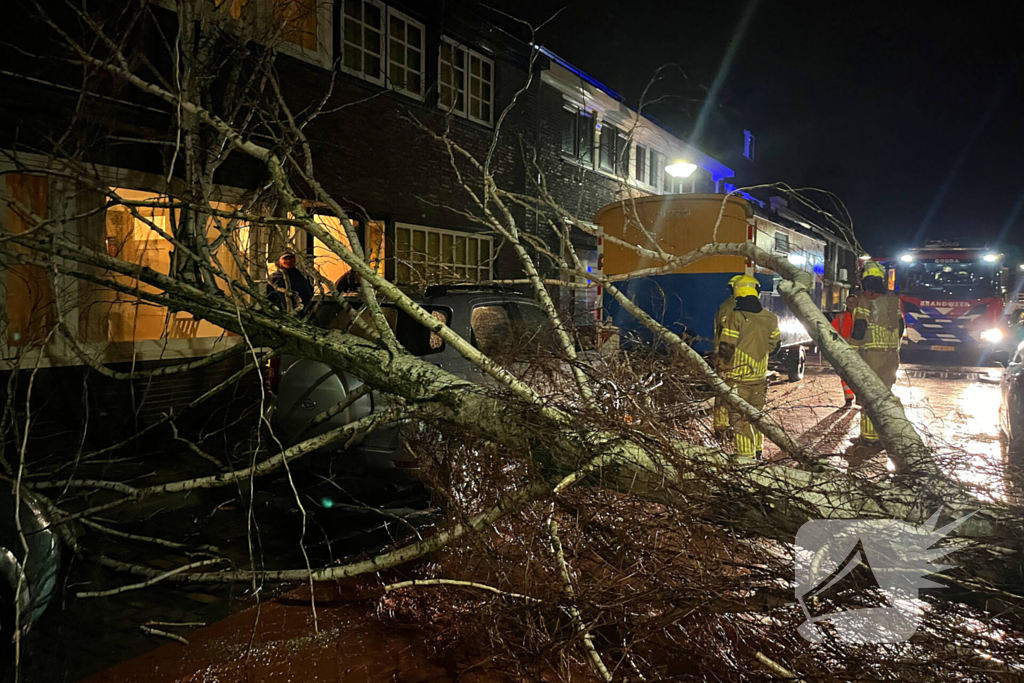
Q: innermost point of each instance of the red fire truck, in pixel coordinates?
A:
(952, 297)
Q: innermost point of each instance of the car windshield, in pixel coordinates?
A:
(934, 279)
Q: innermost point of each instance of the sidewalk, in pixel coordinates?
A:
(277, 641)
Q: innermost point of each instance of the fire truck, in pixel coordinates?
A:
(952, 297)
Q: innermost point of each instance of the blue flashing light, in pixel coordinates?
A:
(819, 269)
(589, 269)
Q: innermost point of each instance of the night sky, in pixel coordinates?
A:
(913, 116)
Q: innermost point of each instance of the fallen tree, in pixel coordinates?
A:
(560, 473)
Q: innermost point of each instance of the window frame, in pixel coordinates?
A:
(468, 55)
(581, 113)
(640, 164)
(454, 234)
(384, 42)
(402, 16)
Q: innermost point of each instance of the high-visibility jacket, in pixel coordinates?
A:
(722, 315)
(843, 324)
(754, 336)
(883, 320)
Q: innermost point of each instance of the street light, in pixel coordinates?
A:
(991, 258)
(681, 169)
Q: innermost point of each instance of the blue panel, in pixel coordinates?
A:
(684, 303)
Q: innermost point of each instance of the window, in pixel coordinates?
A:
(297, 21)
(465, 82)
(29, 294)
(299, 27)
(329, 264)
(614, 150)
(405, 53)
(781, 242)
(432, 256)
(136, 237)
(533, 332)
(362, 44)
(491, 327)
(657, 172)
(577, 128)
(641, 164)
(748, 145)
(414, 337)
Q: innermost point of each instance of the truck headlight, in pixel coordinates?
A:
(992, 336)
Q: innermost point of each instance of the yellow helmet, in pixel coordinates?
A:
(734, 278)
(745, 285)
(872, 269)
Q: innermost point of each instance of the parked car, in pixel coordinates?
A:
(29, 566)
(491, 318)
(1011, 410)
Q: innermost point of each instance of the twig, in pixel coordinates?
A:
(163, 634)
(456, 582)
(149, 582)
(777, 668)
(588, 643)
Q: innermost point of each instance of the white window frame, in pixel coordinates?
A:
(401, 16)
(456, 91)
(469, 54)
(412, 227)
(359, 73)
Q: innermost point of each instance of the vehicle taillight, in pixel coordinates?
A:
(272, 374)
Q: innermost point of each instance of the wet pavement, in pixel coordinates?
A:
(954, 407)
(266, 633)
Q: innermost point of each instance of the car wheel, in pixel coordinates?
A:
(796, 363)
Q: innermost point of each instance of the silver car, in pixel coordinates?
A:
(491, 318)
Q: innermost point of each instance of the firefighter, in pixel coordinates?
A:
(877, 329)
(721, 413)
(749, 335)
(843, 324)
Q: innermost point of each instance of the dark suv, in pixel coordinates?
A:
(492, 319)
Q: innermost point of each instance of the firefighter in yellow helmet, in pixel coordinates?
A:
(748, 336)
(721, 413)
(877, 329)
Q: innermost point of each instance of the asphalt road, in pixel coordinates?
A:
(954, 407)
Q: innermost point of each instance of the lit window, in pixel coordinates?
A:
(137, 235)
(363, 49)
(296, 20)
(331, 266)
(405, 53)
(465, 82)
(432, 256)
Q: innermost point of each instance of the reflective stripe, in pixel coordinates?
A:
(867, 430)
(731, 333)
(747, 369)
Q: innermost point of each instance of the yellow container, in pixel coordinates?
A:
(680, 224)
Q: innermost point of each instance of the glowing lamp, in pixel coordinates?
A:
(991, 258)
(681, 169)
(907, 258)
(992, 336)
